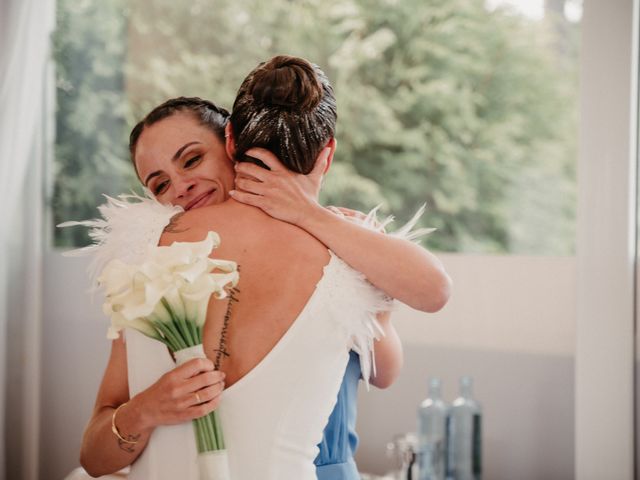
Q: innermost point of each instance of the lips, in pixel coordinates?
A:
(199, 200)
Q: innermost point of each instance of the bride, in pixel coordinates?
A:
(297, 309)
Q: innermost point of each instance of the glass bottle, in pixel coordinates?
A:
(404, 448)
(464, 428)
(432, 431)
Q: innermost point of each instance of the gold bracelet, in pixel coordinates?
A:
(114, 429)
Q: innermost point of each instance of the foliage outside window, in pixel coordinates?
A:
(471, 110)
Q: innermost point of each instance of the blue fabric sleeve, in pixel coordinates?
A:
(339, 442)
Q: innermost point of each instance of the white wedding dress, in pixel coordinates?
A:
(273, 417)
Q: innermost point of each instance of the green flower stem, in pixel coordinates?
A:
(208, 441)
(210, 432)
(175, 343)
(218, 429)
(207, 435)
(210, 437)
(172, 336)
(182, 330)
(168, 339)
(197, 331)
(178, 334)
(203, 435)
(199, 435)
(190, 327)
(181, 324)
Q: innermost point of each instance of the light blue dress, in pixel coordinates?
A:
(335, 460)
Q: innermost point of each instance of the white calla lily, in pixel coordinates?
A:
(181, 254)
(174, 299)
(224, 265)
(174, 285)
(160, 314)
(196, 298)
(134, 301)
(116, 277)
(119, 323)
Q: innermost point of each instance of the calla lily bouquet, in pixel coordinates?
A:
(166, 298)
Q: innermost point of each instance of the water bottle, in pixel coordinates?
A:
(432, 431)
(464, 453)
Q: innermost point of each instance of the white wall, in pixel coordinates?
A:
(607, 250)
(509, 324)
(501, 303)
(74, 354)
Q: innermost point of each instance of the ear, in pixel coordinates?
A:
(332, 144)
(229, 141)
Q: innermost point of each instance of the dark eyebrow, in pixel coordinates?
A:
(176, 156)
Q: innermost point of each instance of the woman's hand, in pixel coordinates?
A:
(415, 277)
(172, 399)
(281, 193)
(189, 391)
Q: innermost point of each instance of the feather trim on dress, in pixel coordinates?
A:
(358, 302)
(129, 224)
(366, 300)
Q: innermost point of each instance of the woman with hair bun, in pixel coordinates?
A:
(301, 309)
(286, 106)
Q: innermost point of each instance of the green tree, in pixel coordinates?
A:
(440, 101)
(463, 109)
(91, 111)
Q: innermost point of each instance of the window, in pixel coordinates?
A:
(469, 107)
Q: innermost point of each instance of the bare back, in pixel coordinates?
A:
(279, 264)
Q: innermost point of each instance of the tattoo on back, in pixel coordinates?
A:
(222, 345)
(172, 227)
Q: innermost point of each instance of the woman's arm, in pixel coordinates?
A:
(169, 401)
(388, 354)
(400, 268)
(102, 452)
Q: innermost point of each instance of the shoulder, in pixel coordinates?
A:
(189, 226)
(225, 218)
(178, 229)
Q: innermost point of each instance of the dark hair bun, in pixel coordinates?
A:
(288, 82)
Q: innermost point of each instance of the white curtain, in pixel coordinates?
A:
(25, 72)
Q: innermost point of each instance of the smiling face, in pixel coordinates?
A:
(182, 162)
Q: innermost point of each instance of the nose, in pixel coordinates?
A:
(183, 186)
